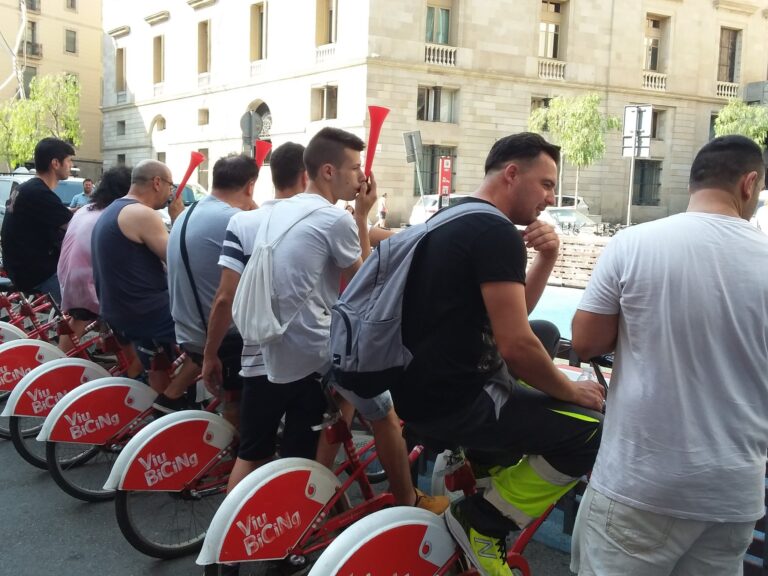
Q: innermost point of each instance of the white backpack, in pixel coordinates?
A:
(255, 304)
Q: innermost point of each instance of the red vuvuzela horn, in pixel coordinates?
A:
(260, 151)
(195, 160)
(377, 114)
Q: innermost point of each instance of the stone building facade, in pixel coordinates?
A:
(183, 75)
(60, 36)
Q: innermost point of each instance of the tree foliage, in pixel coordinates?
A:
(52, 109)
(738, 117)
(578, 126)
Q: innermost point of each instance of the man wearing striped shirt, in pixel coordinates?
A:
(289, 178)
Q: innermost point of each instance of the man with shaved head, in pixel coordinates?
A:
(129, 246)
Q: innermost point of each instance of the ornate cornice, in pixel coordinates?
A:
(197, 4)
(741, 7)
(120, 31)
(158, 17)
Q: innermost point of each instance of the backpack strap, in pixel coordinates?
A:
(452, 212)
(185, 259)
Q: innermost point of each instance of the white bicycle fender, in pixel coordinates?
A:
(19, 357)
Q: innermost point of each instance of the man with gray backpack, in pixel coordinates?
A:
(440, 318)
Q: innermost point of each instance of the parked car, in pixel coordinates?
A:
(427, 205)
(760, 219)
(569, 201)
(68, 189)
(569, 220)
(9, 182)
(192, 193)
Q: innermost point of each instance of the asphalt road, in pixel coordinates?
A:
(46, 532)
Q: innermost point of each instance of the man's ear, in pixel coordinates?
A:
(326, 171)
(749, 186)
(511, 171)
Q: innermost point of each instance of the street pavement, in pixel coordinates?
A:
(45, 532)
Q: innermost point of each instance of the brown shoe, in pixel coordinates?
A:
(435, 504)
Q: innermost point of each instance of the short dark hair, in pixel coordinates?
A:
(287, 164)
(524, 146)
(114, 184)
(723, 161)
(234, 171)
(50, 149)
(87, 180)
(327, 147)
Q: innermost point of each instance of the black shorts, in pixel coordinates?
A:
(82, 314)
(262, 406)
(230, 354)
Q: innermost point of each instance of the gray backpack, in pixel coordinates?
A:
(367, 351)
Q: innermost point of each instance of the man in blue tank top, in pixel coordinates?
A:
(129, 245)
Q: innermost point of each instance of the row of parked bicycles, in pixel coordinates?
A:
(101, 438)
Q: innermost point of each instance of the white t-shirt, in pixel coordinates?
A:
(686, 428)
(307, 263)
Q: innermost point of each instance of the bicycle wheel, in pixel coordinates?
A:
(81, 469)
(167, 525)
(5, 424)
(24, 431)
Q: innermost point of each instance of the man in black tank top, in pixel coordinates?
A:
(129, 249)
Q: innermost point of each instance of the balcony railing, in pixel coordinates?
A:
(551, 69)
(34, 49)
(324, 53)
(654, 81)
(727, 89)
(440, 55)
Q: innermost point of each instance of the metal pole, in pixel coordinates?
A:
(635, 148)
(418, 169)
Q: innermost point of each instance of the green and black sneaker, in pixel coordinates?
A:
(487, 553)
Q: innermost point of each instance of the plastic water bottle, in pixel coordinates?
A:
(587, 373)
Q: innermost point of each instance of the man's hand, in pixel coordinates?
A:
(212, 374)
(366, 199)
(542, 237)
(589, 394)
(176, 207)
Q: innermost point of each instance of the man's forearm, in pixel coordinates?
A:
(536, 279)
(219, 322)
(530, 363)
(362, 232)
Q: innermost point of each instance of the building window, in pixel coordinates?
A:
(33, 5)
(160, 156)
(160, 124)
(549, 29)
(436, 104)
(204, 47)
(652, 43)
(324, 102)
(71, 4)
(121, 127)
(29, 73)
(202, 116)
(537, 103)
(258, 32)
(326, 22)
(438, 25)
(647, 183)
(158, 59)
(430, 168)
(70, 44)
(120, 81)
(730, 44)
(121, 159)
(712, 121)
(658, 124)
(202, 170)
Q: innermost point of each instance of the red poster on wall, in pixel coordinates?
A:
(445, 175)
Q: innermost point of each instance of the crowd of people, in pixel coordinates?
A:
(678, 470)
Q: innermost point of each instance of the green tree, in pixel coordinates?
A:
(738, 117)
(579, 127)
(52, 109)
